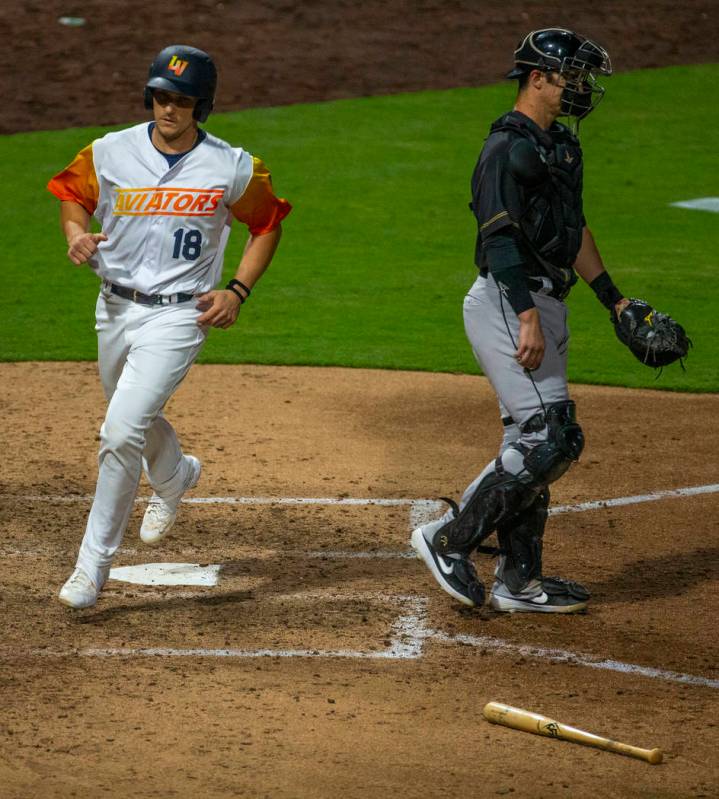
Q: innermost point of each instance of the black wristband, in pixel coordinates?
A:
(231, 287)
(607, 293)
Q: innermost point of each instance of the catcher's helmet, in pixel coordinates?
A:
(184, 70)
(573, 56)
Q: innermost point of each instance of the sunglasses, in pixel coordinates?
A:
(168, 98)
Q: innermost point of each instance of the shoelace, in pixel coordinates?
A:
(80, 579)
(156, 507)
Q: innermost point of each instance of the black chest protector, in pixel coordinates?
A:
(542, 189)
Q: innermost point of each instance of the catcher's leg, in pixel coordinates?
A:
(519, 584)
(446, 545)
(510, 484)
(506, 496)
(520, 540)
(505, 487)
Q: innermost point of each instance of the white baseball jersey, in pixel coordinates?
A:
(166, 227)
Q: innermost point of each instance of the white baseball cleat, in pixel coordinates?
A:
(160, 515)
(80, 591)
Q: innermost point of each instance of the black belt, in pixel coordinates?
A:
(147, 299)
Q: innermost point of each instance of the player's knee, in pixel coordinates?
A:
(548, 461)
(120, 435)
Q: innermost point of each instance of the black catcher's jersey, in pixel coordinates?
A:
(530, 180)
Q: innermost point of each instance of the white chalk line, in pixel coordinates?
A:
(566, 656)
(409, 633)
(319, 554)
(654, 496)
(406, 641)
(421, 511)
(411, 627)
(420, 507)
(71, 498)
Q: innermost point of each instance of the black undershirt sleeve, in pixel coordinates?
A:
(504, 262)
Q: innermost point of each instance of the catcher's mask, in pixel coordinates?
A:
(577, 59)
(184, 70)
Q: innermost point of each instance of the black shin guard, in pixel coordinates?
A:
(520, 542)
(499, 497)
(503, 495)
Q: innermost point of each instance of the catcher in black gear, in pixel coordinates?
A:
(533, 244)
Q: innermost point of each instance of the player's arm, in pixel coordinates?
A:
(590, 268)
(78, 191)
(75, 221)
(221, 308)
(501, 251)
(257, 256)
(262, 212)
(505, 262)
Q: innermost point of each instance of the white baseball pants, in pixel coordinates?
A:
(144, 352)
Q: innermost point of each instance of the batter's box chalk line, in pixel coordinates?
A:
(407, 640)
(410, 631)
(420, 510)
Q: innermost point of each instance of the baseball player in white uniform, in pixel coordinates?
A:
(164, 194)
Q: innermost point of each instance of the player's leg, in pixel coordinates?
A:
(549, 440)
(170, 473)
(533, 407)
(111, 315)
(111, 318)
(446, 544)
(519, 584)
(510, 429)
(162, 457)
(163, 343)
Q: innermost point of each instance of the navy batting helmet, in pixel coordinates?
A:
(186, 70)
(575, 57)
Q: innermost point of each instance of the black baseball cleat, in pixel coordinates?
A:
(455, 574)
(545, 595)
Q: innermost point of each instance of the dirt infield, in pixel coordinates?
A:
(325, 661)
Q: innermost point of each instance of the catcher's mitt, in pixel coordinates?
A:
(653, 337)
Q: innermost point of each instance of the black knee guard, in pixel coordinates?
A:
(565, 442)
(500, 496)
(520, 543)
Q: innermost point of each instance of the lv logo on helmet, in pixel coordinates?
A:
(177, 66)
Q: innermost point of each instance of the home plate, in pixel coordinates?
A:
(167, 574)
(700, 204)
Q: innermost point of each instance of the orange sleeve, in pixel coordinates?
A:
(258, 207)
(78, 182)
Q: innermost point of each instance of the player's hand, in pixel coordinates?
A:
(620, 306)
(530, 350)
(84, 246)
(221, 308)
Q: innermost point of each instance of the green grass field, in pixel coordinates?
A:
(377, 253)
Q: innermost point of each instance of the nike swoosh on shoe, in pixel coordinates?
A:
(542, 599)
(447, 569)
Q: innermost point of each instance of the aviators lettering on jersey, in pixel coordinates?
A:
(166, 202)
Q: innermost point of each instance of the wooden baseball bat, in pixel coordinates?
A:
(526, 721)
